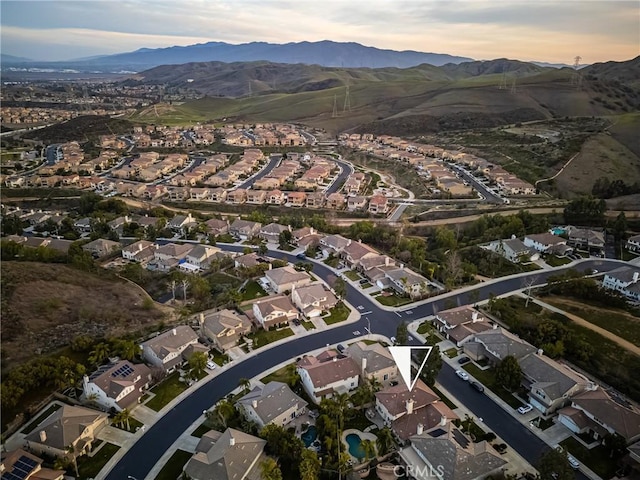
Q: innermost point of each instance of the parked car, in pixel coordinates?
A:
(463, 360)
(393, 340)
(525, 409)
(462, 374)
(211, 365)
(301, 256)
(477, 386)
(341, 348)
(575, 464)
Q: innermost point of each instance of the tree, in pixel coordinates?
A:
(615, 444)
(127, 349)
(293, 377)
(99, 353)
(369, 449)
(340, 287)
(508, 373)
(245, 383)
(225, 411)
(270, 470)
(402, 335)
(185, 286)
(309, 465)
(453, 267)
(384, 442)
(284, 239)
(431, 367)
(262, 249)
(125, 417)
(197, 364)
(554, 465)
(71, 451)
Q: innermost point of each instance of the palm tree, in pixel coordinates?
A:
(245, 383)
(128, 349)
(384, 442)
(99, 353)
(293, 377)
(225, 411)
(71, 450)
(61, 463)
(270, 470)
(369, 449)
(310, 465)
(125, 417)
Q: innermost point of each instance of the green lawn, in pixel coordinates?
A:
(597, 458)
(339, 313)
(451, 353)
(444, 398)
(307, 325)
(221, 278)
(392, 300)
(252, 290)
(219, 358)
(173, 468)
(166, 391)
(279, 375)
(201, 430)
(365, 285)
(425, 327)
(488, 379)
(133, 425)
(332, 261)
(89, 467)
(353, 275)
(32, 426)
(225, 238)
(359, 421)
(555, 261)
(542, 423)
(264, 337)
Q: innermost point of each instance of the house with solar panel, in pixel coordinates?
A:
(68, 426)
(21, 465)
(117, 385)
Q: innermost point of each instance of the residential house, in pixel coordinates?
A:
(461, 323)
(200, 256)
(448, 454)
(297, 199)
(355, 252)
(83, 225)
(69, 426)
(594, 413)
(181, 223)
(117, 385)
(285, 278)
(165, 350)
(140, 251)
(256, 197)
(335, 201)
(407, 282)
(547, 243)
(334, 243)
(379, 205)
(356, 203)
(101, 247)
(232, 455)
(514, 250)
(224, 328)
(313, 299)
(237, 196)
(587, 239)
(244, 229)
(633, 243)
(169, 256)
(218, 195)
(217, 227)
(271, 232)
(21, 465)
(404, 410)
(327, 374)
(549, 384)
(495, 344)
(200, 194)
(274, 310)
(274, 403)
(315, 200)
(624, 280)
(275, 197)
(375, 361)
(248, 260)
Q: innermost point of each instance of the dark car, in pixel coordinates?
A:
(301, 256)
(341, 348)
(464, 360)
(477, 386)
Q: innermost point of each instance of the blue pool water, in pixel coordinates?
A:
(558, 231)
(355, 446)
(309, 436)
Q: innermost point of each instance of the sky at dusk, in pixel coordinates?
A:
(551, 31)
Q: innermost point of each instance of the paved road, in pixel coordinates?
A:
(274, 159)
(139, 460)
(490, 197)
(347, 171)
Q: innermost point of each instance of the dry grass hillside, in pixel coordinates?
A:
(46, 305)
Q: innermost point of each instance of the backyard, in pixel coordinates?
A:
(597, 458)
(32, 426)
(252, 290)
(339, 313)
(166, 391)
(89, 467)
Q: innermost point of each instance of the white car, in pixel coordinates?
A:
(575, 464)
(393, 340)
(462, 374)
(211, 365)
(524, 409)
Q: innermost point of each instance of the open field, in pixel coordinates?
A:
(46, 305)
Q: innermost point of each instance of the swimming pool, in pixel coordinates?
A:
(355, 446)
(309, 436)
(558, 231)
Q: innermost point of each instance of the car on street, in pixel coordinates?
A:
(301, 256)
(524, 409)
(211, 365)
(477, 386)
(575, 464)
(463, 360)
(393, 340)
(462, 374)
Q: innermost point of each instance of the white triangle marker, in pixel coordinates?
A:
(402, 357)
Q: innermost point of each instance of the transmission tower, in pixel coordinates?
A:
(335, 107)
(503, 81)
(576, 78)
(347, 101)
(85, 99)
(513, 86)
(250, 93)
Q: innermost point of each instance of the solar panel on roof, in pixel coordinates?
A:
(123, 371)
(460, 438)
(21, 469)
(437, 433)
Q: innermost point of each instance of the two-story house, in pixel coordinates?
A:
(140, 251)
(461, 323)
(375, 361)
(327, 374)
(313, 299)
(244, 229)
(285, 278)
(274, 403)
(274, 310)
(623, 280)
(117, 385)
(547, 243)
(165, 350)
(224, 328)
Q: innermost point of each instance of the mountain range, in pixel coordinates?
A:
(325, 53)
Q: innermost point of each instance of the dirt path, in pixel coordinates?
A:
(582, 322)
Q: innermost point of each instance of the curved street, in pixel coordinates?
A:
(144, 454)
